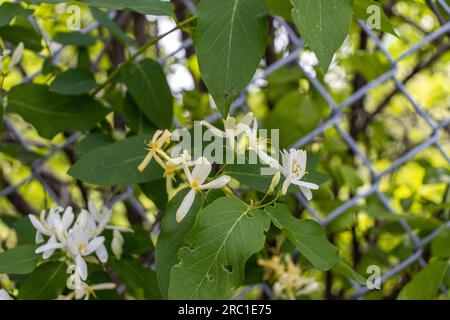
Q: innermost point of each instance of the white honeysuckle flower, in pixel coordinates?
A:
(49, 248)
(4, 295)
(16, 56)
(81, 244)
(154, 148)
(172, 165)
(259, 145)
(117, 244)
(77, 239)
(196, 180)
(294, 169)
(74, 280)
(52, 223)
(45, 224)
(231, 126)
(54, 227)
(101, 217)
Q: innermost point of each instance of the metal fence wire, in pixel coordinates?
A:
(335, 120)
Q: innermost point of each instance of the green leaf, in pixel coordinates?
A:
(172, 236)
(46, 282)
(307, 236)
(280, 8)
(139, 280)
(360, 12)
(349, 272)
(425, 284)
(19, 260)
(103, 18)
(323, 24)
(83, 59)
(74, 82)
(226, 233)
(156, 191)
(91, 142)
(147, 84)
(440, 246)
(24, 230)
(249, 174)
(137, 242)
(231, 40)
(116, 164)
(135, 118)
(26, 34)
(51, 113)
(152, 7)
(74, 38)
(10, 10)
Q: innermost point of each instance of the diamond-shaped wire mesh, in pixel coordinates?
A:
(335, 120)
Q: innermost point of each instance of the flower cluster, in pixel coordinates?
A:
(77, 238)
(245, 132)
(289, 280)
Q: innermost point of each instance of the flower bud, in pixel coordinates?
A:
(275, 181)
(117, 244)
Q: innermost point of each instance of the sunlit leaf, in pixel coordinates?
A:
(231, 39)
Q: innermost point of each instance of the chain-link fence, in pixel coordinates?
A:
(336, 120)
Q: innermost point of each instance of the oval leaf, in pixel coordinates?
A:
(19, 260)
(425, 284)
(307, 236)
(226, 233)
(172, 237)
(323, 24)
(51, 113)
(148, 86)
(230, 43)
(46, 282)
(74, 82)
(116, 164)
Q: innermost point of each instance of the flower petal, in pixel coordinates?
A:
(185, 205)
(93, 245)
(146, 161)
(214, 130)
(103, 286)
(247, 119)
(285, 186)
(38, 238)
(305, 184)
(38, 225)
(306, 192)
(52, 244)
(201, 170)
(216, 184)
(68, 217)
(102, 253)
(4, 295)
(187, 172)
(81, 266)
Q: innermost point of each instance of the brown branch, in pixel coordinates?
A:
(15, 198)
